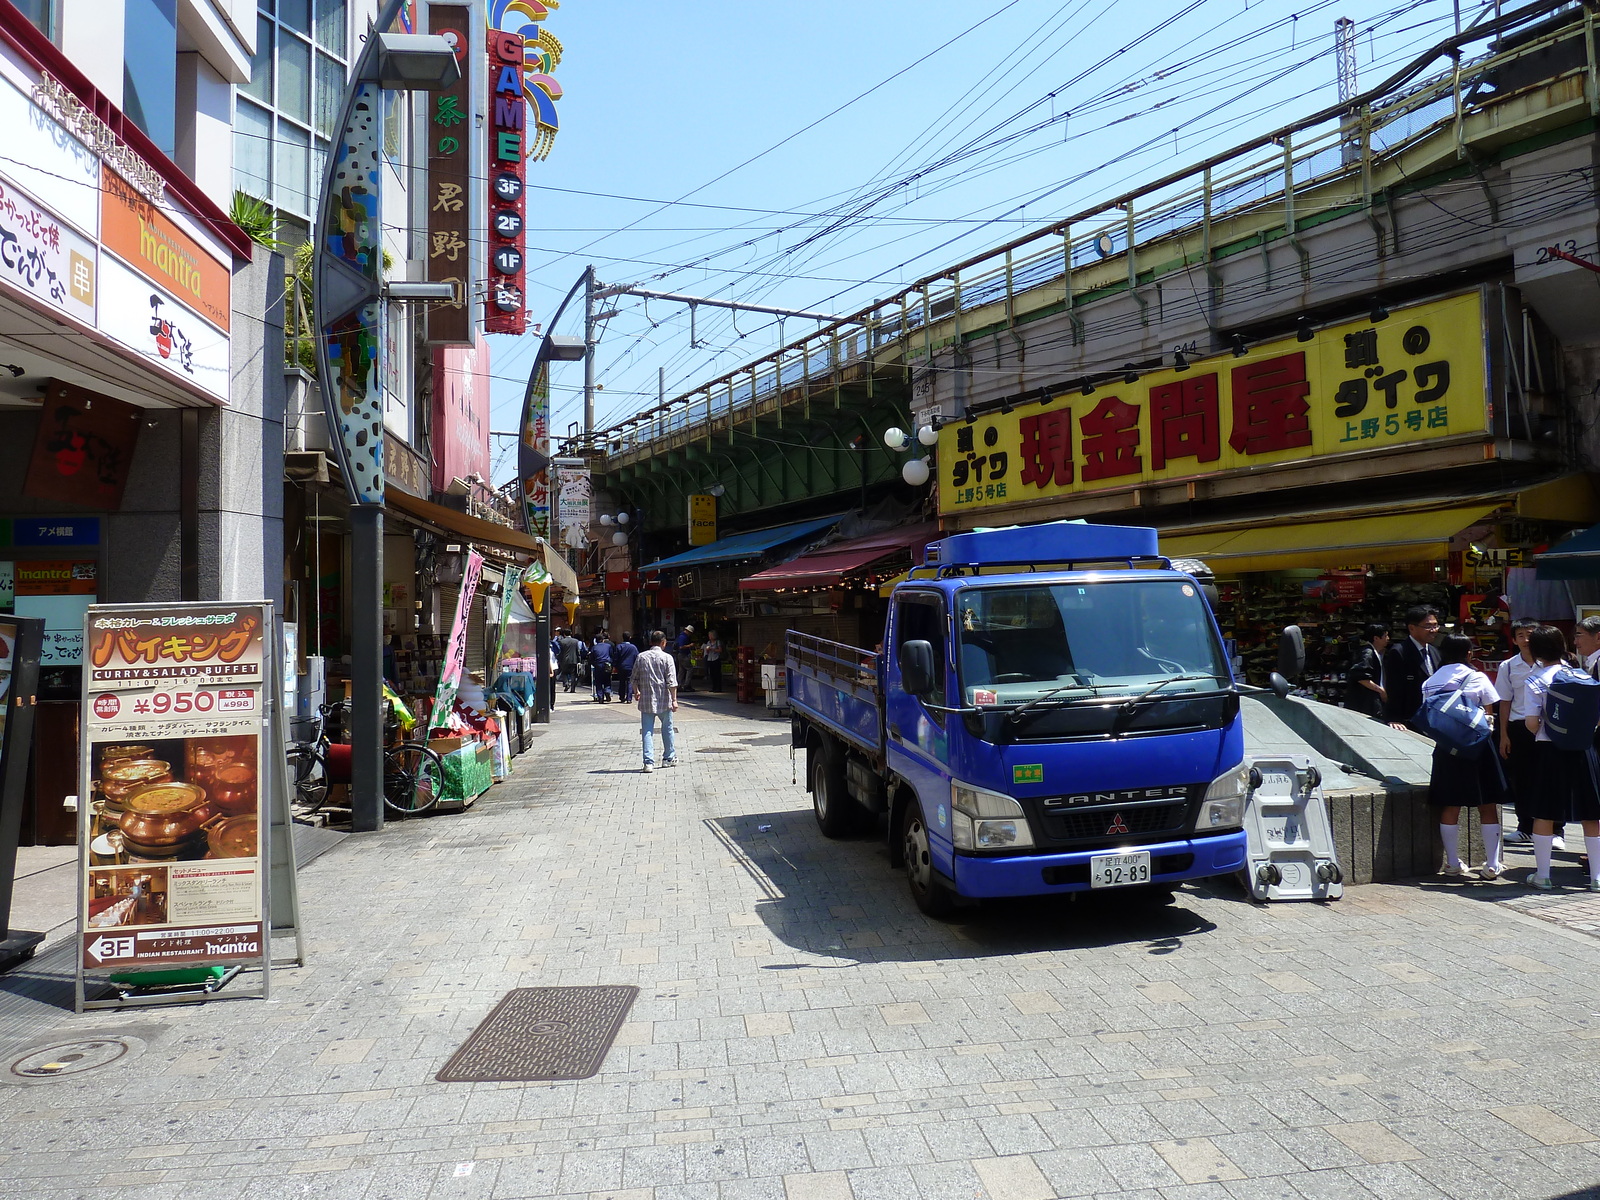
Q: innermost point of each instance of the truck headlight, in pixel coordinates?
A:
(982, 820)
(1223, 808)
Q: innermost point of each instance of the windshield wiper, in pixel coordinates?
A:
(1129, 709)
(1016, 714)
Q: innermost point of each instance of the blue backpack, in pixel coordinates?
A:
(1456, 722)
(1572, 709)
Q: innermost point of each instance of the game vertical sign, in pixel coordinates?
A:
(171, 775)
(449, 134)
(508, 113)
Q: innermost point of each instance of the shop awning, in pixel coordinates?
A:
(1412, 536)
(487, 533)
(1578, 557)
(829, 565)
(743, 545)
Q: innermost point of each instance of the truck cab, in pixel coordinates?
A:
(1057, 715)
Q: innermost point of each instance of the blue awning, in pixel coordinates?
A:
(1576, 558)
(744, 545)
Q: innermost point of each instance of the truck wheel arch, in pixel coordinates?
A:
(900, 797)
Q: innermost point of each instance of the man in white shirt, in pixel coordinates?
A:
(1516, 743)
(1586, 637)
(655, 682)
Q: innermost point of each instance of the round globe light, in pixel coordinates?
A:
(606, 519)
(896, 438)
(622, 518)
(915, 472)
(619, 539)
(928, 435)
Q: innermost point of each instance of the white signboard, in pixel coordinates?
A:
(169, 335)
(44, 256)
(46, 160)
(573, 503)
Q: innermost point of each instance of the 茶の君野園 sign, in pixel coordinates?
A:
(1417, 376)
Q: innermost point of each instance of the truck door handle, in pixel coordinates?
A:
(894, 731)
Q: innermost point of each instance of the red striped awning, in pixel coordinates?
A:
(828, 566)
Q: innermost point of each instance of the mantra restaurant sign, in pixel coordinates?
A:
(1417, 376)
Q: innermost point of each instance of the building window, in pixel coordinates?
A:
(150, 68)
(46, 14)
(298, 75)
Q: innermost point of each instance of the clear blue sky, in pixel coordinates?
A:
(959, 147)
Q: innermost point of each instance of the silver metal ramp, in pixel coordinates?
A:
(1290, 854)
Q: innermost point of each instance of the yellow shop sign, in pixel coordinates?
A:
(1360, 386)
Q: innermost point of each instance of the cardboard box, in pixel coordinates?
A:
(445, 745)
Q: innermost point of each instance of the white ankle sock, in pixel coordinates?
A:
(1592, 846)
(1491, 848)
(1452, 844)
(1541, 854)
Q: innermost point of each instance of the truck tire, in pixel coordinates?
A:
(930, 893)
(838, 815)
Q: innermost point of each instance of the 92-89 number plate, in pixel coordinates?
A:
(1119, 870)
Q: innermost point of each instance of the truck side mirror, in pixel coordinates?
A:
(916, 667)
(1291, 652)
(1281, 687)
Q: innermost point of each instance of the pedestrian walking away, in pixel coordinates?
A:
(623, 655)
(712, 654)
(680, 652)
(655, 682)
(1516, 740)
(570, 651)
(600, 665)
(1407, 663)
(1465, 777)
(1365, 691)
(1568, 780)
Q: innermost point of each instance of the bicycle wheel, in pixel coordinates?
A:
(308, 776)
(413, 779)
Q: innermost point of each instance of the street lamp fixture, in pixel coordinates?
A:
(561, 348)
(416, 62)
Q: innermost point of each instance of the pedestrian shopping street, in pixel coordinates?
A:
(802, 1033)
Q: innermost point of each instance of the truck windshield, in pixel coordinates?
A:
(1097, 638)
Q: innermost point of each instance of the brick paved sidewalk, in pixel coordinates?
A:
(803, 1033)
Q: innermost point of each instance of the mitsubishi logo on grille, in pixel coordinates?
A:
(1118, 825)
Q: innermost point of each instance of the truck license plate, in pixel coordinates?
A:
(1119, 870)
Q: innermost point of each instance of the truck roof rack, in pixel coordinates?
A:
(1068, 543)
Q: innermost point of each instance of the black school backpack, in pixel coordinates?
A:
(1572, 709)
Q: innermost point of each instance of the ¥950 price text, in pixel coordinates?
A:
(179, 703)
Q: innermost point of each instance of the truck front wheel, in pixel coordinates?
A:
(838, 815)
(931, 895)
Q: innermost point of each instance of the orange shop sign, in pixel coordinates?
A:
(55, 578)
(1353, 388)
(151, 243)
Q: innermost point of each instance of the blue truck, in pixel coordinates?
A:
(1051, 711)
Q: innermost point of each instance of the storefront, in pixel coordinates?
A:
(700, 587)
(1328, 480)
(832, 592)
(132, 329)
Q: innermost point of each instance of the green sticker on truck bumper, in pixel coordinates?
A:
(1031, 773)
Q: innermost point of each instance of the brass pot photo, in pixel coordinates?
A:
(164, 815)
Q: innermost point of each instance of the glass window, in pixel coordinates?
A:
(332, 22)
(42, 13)
(293, 160)
(294, 78)
(260, 85)
(396, 108)
(252, 150)
(296, 14)
(330, 88)
(150, 68)
(923, 621)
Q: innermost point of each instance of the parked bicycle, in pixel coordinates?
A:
(413, 774)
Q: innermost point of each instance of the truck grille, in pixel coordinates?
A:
(1112, 822)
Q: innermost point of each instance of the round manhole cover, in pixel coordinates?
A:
(69, 1058)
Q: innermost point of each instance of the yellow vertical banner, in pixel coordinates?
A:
(702, 520)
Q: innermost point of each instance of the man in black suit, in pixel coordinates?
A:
(1407, 663)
